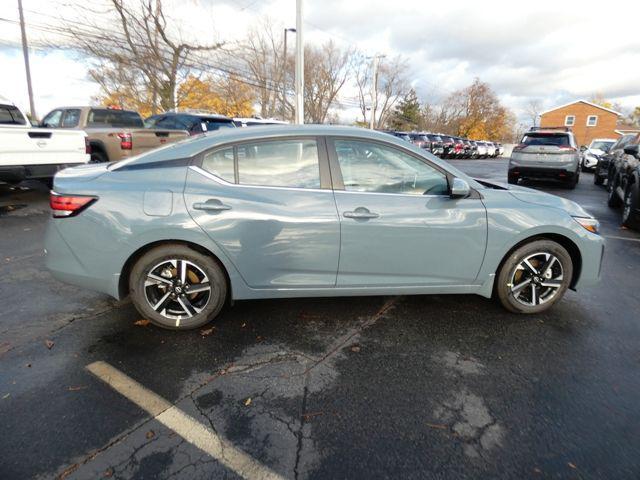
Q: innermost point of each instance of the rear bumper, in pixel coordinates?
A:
(18, 173)
(533, 173)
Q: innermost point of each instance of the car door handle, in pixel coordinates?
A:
(212, 205)
(360, 213)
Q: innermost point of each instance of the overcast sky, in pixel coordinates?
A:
(554, 51)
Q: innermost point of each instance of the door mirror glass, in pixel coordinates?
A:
(459, 188)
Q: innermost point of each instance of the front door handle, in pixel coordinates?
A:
(360, 213)
(212, 205)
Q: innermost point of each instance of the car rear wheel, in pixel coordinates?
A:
(630, 216)
(534, 277)
(178, 288)
(613, 200)
(597, 179)
(573, 183)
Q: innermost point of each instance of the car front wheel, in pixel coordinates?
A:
(534, 277)
(178, 288)
(630, 216)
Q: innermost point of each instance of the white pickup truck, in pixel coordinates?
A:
(35, 153)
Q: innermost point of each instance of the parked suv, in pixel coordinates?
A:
(606, 161)
(420, 140)
(546, 154)
(194, 123)
(623, 170)
(437, 147)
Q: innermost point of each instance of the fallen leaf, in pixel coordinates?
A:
(151, 434)
(49, 344)
(28, 365)
(438, 426)
(259, 338)
(247, 402)
(6, 396)
(308, 416)
(572, 465)
(75, 389)
(4, 347)
(142, 323)
(68, 471)
(355, 348)
(108, 473)
(537, 470)
(243, 325)
(207, 331)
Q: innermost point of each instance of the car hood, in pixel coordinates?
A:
(595, 151)
(536, 197)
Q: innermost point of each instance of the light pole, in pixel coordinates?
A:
(299, 64)
(25, 52)
(374, 90)
(284, 73)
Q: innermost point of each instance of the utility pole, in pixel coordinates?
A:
(284, 74)
(25, 52)
(374, 90)
(299, 64)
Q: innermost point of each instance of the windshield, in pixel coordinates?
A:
(602, 145)
(546, 139)
(213, 124)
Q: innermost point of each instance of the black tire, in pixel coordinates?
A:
(573, 183)
(206, 307)
(630, 216)
(612, 199)
(512, 179)
(98, 157)
(597, 179)
(511, 267)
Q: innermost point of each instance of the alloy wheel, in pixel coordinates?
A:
(536, 279)
(177, 289)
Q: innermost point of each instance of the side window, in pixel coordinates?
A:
(372, 167)
(220, 164)
(279, 163)
(168, 123)
(52, 120)
(71, 118)
(10, 115)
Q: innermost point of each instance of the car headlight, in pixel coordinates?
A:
(590, 224)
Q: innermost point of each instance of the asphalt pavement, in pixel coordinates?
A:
(383, 387)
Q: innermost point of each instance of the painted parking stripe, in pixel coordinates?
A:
(184, 425)
(615, 237)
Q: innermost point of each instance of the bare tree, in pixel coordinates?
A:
(137, 49)
(393, 85)
(327, 69)
(534, 106)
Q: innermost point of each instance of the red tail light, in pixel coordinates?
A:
(567, 147)
(126, 142)
(69, 205)
(520, 146)
(87, 146)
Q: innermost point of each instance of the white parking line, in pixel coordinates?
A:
(187, 427)
(615, 237)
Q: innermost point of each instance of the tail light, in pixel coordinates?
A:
(567, 147)
(126, 142)
(87, 146)
(69, 205)
(520, 146)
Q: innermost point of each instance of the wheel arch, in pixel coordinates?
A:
(123, 285)
(568, 244)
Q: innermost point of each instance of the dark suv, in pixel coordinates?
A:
(606, 162)
(194, 123)
(623, 182)
(420, 140)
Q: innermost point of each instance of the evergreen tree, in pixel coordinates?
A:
(407, 115)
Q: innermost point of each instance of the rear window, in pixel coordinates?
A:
(104, 117)
(10, 115)
(550, 139)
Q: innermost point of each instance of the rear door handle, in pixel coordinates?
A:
(360, 213)
(212, 205)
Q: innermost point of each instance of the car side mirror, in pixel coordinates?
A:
(459, 188)
(583, 148)
(631, 150)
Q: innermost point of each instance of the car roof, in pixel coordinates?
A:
(213, 116)
(195, 145)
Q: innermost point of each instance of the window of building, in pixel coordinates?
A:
(592, 120)
(569, 120)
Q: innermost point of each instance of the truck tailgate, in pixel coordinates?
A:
(39, 146)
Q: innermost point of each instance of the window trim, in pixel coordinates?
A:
(566, 121)
(323, 162)
(336, 171)
(590, 117)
